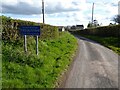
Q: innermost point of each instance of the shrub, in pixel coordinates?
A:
(11, 33)
(102, 31)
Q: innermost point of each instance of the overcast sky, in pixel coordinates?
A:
(61, 12)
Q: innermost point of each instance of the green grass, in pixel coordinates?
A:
(110, 42)
(20, 70)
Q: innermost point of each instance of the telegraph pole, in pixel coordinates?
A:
(43, 12)
(119, 8)
(92, 12)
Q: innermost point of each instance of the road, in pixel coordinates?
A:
(95, 66)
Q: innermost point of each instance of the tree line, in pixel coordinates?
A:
(95, 23)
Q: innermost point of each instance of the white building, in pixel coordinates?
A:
(61, 28)
(79, 27)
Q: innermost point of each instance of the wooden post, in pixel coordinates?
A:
(43, 12)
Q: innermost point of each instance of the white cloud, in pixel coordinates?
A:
(63, 12)
(9, 2)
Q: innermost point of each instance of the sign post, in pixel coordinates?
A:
(30, 30)
(25, 44)
(37, 45)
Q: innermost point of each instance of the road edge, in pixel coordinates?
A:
(62, 79)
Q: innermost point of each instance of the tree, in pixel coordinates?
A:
(89, 25)
(116, 19)
(111, 24)
(94, 24)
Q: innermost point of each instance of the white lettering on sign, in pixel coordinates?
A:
(30, 30)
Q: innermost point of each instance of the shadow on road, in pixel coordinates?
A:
(85, 39)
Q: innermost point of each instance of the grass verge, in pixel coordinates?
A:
(110, 42)
(20, 70)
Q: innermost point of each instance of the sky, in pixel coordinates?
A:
(61, 12)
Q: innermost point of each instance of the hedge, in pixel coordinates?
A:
(11, 33)
(102, 31)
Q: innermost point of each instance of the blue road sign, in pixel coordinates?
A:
(30, 30)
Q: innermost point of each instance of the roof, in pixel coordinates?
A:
(79, 26)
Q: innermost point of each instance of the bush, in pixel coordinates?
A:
(102, 31)
(10, 33)
(27, 70)
(20, 70)
(49, 32)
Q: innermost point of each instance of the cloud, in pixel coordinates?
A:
(29, 8)
(114, 4)
(20, 8)
(58, 8)
(62, 12)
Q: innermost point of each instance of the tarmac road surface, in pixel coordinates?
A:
(95, 66)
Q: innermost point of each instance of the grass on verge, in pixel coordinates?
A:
(110, 42)
(20, 70)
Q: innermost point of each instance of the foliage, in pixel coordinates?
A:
(89, 25)
(49, 32)
(110, 42)
(106, 35)
(93, 25)
(117, 19)
(113, 31)
(22, 70)
(11, 33)
(27, 70)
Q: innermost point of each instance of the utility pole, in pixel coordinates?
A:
(119, 8)
(92, 12)
(43, 11)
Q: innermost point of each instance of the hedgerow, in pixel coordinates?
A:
(11, 32)
(102, 31)
(28, 70)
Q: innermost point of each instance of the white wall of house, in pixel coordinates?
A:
(63, 29)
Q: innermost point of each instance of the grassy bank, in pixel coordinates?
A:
(20, 70)
(111, 42)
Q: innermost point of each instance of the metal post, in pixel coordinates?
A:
(37, 45)
(25, 43)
